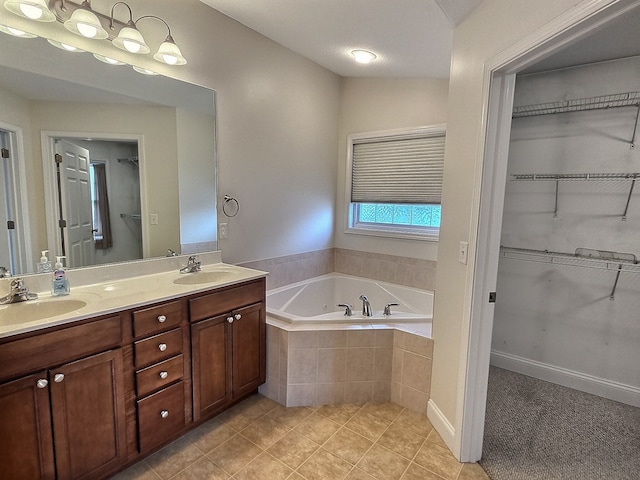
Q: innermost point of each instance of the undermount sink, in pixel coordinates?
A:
(202, 277)
(33, 310)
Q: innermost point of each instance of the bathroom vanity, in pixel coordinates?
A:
(89, 392)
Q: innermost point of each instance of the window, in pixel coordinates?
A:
(394, 182)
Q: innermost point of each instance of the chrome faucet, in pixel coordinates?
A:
(18, 293)
(171, 253)
(347, 309)
(193, 265)
(387, 308)
(4, 273)
(366, 306)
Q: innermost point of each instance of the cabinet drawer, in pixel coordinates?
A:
(45, 349)
(156, 319)
(161, 416)
(157, 348)
(226, 300)
(159, 375)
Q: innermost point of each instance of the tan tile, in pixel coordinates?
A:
(357, 474)
(139, 471)
(273, 360)
(399, 339)
(414, 399)
(303, 340)
(211, 434)
(332, 339)
(384, 338)
(234, 454)
(416, 422)
(472, 471)
(396, 364)
(323, 465)
(381, 391)
(265, 431)
(360, 338)
(330, 393)
(339, 413)
(293, 449)
(438, 459)
(173, 458)
(203, 469)
(396, 393)
(386, 411)
(246, 412)
(295, 476)
(368, 425)
(301, 395)
(418, 344)
(416, 372)
(332, 365)
(348, 445)
(358, 393)
(383, 363)
(289, 416)
(401, 440)
(416, 472)
(264, 466)
(317, 428)
(383, 464)
(303, 365)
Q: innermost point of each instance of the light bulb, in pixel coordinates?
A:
(31, 12)
(169, 59)
(88, 31)
(363, 56)
(132, 47)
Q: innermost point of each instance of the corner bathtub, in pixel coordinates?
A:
(313, 302)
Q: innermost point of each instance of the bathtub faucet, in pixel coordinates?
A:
(366, 306)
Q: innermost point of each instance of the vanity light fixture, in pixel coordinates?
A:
(363, 56)
(82, 20)
(16, 32)
(144, 71)
(108, 60)
(64, 46)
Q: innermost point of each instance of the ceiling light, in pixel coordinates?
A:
(86, 23)
(144, 71)
(32, 9)
(363, 56)
(64, 46)
(15, 32)
(108, 60)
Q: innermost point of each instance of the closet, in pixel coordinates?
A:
(569, 277)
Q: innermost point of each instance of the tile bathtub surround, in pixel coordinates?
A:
(259, 438)
(307, 368)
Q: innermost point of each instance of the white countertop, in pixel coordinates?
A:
(116, 295)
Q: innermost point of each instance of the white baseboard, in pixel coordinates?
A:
(442, 425)
(585, 383)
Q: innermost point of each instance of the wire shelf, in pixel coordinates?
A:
(616, 100)
(575, 176)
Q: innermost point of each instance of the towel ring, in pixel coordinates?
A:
(229, 199)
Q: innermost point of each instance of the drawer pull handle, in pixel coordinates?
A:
(237, 316)
(164, 375)
(58, 377)
(230, 319)
(162, 347)
(164, 413)
(42, 383)
(162, 318)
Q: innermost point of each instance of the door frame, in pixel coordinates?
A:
(48, 138)
(498, 87)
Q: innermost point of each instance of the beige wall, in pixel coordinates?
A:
(493, 27)
(370, 104)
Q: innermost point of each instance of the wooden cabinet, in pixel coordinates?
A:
(228, 347)
(80, 405)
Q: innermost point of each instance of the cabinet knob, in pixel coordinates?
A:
(162, 318)
(237, 316)
(42, 383)
(162, 347)
(164, 375)
(230, 319)
(164, 413)
(58, 377)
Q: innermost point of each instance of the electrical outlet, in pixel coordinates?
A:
(224, 232)
(463, 250)
(154, 219)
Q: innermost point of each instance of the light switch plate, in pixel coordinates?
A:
(463, 251)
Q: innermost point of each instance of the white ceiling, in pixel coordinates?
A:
(412, 38)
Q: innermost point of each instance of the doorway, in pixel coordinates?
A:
(501, 72)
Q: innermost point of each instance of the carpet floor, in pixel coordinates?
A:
(536, 430)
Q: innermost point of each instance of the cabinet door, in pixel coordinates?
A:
(249, 343)
(211, 365)
(87, 400)
(26, 442)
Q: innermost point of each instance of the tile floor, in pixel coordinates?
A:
(261, 439)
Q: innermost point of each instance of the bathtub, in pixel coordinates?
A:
(314, 302)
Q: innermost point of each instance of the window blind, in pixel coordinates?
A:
(398, 170)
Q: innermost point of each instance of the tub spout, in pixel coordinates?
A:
(366, 306)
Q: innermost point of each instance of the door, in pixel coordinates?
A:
(87, 401)
(75, 189)
(26, 443)
(249, 356)
(211, 344)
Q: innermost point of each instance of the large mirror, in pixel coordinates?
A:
(100, 164)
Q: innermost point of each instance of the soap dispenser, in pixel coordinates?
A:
(45, 265)
(60, 284)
